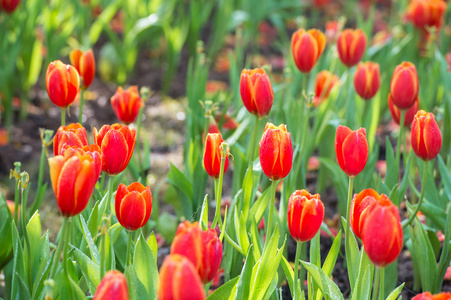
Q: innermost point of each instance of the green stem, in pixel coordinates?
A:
(400, 138)
(376, 284)
(80, 108)
(25, 233)
(218, 183)
(296, 270)
(381, 284)
(417, 209)
(16, 202)
(253, 141)
(271, 208)
(57, 255)
(103, 255)
(234, 245)
(45, 136)
(110, 195)
(129, 247)
(348, 230)
(65, 258)
(63, 116)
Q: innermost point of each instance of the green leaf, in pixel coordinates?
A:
(34, 235)
(18, 263)
(184, 190)
(93, 250)
(289, 274)
(204, 214)
(35, 62)
(331, 258)
(259, 207)
(391, 176)
(44, 266)
(89, 269)
(394, 295)
(352, 257)
(445, 177)
(103, 20)
(152, 242)
(242, 288)
(226, 291)
(362, 288)
(325, 284)
(93, 221)
(146, 267)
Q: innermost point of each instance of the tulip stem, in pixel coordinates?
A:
(348, 232)
(129, 247)
(218, 184)
(80, 108)
(400, 139)
(417, 209)
(63, 116)
(376, 284)
(296, 271)
(57, 255)
(271, 208)
(25, 233)
(253, 141)
(381, 284)
(110, 195)
(65, 258)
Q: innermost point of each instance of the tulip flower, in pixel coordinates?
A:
(112, 287)
(429, 296)
(320, 3)
(126, 104)
(276, 151)
(367, 79)
(212, 155)
(426, 13)
(62, 83)
(404, 85)
(212, 255)
(324, 83)
(133, 205)
(85, 65)
(9, 6)
(382, 233)
(410, 113)
(117, 143)
(256, 91)
(188, 242)
(426, 137)
(351, 46)
(74, 175)
(72, 135)
(351, 148)
(307, 47)
(305, 215)
(179, 280)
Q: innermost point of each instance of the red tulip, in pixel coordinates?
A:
(212, 155)
(126, 104)
(69, 136)
(382, 233)
(276, 151)
(256, 91)
(410, 113)
(74, 175)
(367, 79)
(9, 6)
(133, 205)
(351, 148)
(324, 83)
(62, 83)
(429, 296)
(423, 13)
(404, 85)
(112, 287)
(305, 215)
(117, 143)
(426, 138)
(351, 46)
(179, 280)
(212, 255)
(85, 65)
(307, 47)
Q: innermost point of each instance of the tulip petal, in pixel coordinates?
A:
(132, 211)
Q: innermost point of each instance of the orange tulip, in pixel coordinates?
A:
(133, 205)
(69, 136)
(305, 215)
(423, 13)
(85, 65)
(62, 82)
(126, 104)
(112, 287)
(410, 113)
(276, 151)
(429, 296)
(307, 47)
(212, 155)
(9, 6)
(117, 143)
(367, 79)
(404, 85)
(179, 280)
(351, 46)
(324, 83)
(351, 148)
(256, 92)
(426, 138)
(74, 175)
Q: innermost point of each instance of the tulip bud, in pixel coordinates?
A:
(256, 91)
(133, 205)
(404, 85)
(423, 13)
(9, 6)
(351, 46)
(367, 79)
(382, 233)
(276, 151)
(72, 135)
(212, 155)
(112, 287)
(305, 215)
(117, 143)
(212, 255)
(351, 148)
(126, 104)
(74, 175)
(179, 280)
(189, 243)
(85, 65)
(307, 47)
(410, 113)
(426, 138)
(62, 82)
(324, 83)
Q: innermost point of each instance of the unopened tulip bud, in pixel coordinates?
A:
(404, 85)
(212, 256)
(307, 47)
(9, 6)
(423, 13)
(367, 79)
(324, 83)
(62, 82)
(112, 287)
(256, 91)
(351, 45)
(426, 138)
(85, 65)
(351, 148)
(126, 104)
(409, 115)
(133, 205)
(212, 155)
